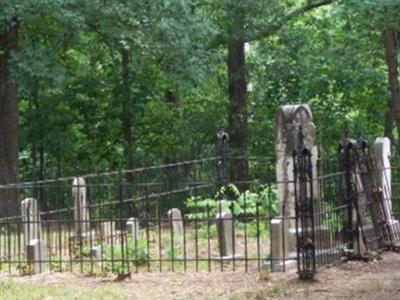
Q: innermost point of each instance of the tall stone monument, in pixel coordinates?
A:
(382, 154)
(289, 120)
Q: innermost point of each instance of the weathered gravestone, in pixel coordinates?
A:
(382, 153)
(34, 245)
(176, 221)
(95, 252)
(175, 216)
(289, 120)
(108, 230)
(132, 227)
(36, 255)
(81, 209)
(31, 220)
(224, 221)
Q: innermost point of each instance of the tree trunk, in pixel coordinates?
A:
(9, 204)
(126, 111)
(239, 169)
(33, 107)
(390, 44)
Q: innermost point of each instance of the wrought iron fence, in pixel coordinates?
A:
(181, 216)
(345, 214)
(192, 216)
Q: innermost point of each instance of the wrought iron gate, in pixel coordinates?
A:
(305, 225)
(348, 218)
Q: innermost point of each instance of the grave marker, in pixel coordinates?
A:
(382, 153)
(132, 227)
(108, 230)
(81, 209)
(289, 120)
(224, 223)
(34, 245)
(175, 216)
(31, 220)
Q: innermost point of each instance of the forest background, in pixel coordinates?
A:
(89, 86)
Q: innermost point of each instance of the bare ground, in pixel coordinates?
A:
(352, 280)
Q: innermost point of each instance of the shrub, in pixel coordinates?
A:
(260, 202)
(117, 258)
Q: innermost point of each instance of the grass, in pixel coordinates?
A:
(10, 290)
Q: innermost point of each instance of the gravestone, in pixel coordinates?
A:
(175, 216)
(95, 252)
(176, 224)
(289, 119)
(132, 227)
(382, 154)
(224, 223)
(108, 230)
(36, 255)
(81, 209)
(34, 245)
(31, 220)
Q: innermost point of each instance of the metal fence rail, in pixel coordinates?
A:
(350, 215)
(182, 216)
(192, 216)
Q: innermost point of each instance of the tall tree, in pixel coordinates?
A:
(244, 22)
(237, 118)
(8, 122)
(382, 16)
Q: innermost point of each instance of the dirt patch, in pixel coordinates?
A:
(351, 280)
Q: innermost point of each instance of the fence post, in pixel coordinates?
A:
(222, 158)
(304, 204)
(121, 220)
(347, 165)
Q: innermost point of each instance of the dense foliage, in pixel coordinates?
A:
(106, 84)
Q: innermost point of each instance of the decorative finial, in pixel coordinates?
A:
(222, 135)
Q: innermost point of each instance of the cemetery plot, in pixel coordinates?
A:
(295, 212)
(104, 224)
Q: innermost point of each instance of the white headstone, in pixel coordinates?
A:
(132, 227)
(382, 153)
(33, 238)
(81, 209)
(36, 255)
(31, 220)
(175, 216)
(108, 230)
